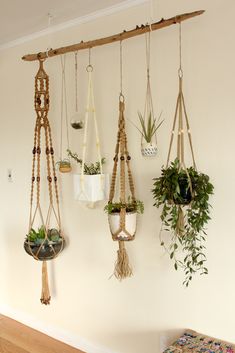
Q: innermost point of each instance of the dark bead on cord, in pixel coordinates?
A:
(33, 179)
(47, 150)
(128, 158)
(49, 179)
(38, 150)
(115, 159)
(38, 179)
(55, 179)
(52, 151)
(122, 158)
(34, 150)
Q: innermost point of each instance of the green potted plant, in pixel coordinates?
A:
(42, 244)
(131, 208)
(184, 195)
(148, 130)
(64, 165)
(91, 185)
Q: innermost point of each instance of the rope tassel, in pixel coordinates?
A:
(122, 268)
(45, 296)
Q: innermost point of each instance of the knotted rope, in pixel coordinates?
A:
(41, 104)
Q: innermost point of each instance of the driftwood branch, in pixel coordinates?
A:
(114, 38)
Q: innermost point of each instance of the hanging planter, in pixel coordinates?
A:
(76, 121)
(64, 163)
(115, 214)
(148, 123)
(91, 185)
(64, 166)
(184, 194)
(46, 243)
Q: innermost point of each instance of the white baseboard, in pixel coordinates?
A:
(55, 332)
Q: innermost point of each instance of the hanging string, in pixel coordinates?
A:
(180, 72)
(49, 20)
(76, 81)
(121, 70)
(64, 106)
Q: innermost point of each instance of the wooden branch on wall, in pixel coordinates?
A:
(114, 38)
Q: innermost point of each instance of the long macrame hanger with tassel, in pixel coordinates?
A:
(122, 267)
(179, 117)
(65, 164)
(41, 104)
(76, 122)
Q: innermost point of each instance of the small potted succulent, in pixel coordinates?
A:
(131, 208)
(184, 195)
(64, 165)
(92, 185)
(148, 130)
(42, 244)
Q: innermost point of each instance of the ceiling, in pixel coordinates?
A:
(27, 17)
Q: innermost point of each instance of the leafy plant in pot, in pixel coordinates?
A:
(131, 208)
(44, 245)
(148, 130)
(184, 194)
(92, 185)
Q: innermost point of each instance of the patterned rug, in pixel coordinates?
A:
(193, 342)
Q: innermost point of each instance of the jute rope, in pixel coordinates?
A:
(41, 104)
(179, 118)
(122, 266)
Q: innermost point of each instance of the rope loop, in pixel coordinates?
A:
(89, 68)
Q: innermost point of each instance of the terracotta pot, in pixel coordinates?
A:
(47, 252)
(149, 149)
(130, 226)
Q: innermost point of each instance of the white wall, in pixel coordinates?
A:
(141, 313)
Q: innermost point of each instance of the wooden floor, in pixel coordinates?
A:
(18, 338)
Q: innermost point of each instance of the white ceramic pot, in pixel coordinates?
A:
(149, 149)
(130, 226)
(91, 188)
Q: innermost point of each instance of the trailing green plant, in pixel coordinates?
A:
(38, 237)
(185, 214)
(130, 206)
(89, 169)
(149, 127)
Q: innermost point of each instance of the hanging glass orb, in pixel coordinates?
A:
(76, 121)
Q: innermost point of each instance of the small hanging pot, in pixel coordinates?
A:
(126, 234)
(65, 166)
(149, 149)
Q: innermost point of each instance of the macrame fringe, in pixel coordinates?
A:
(45, 297)
(180, 222)
(122, 268)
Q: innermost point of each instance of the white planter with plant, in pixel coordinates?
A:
(130, 210)
(91, 185)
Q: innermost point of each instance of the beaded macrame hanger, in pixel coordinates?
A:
(180, 116)
(122, 267)
(41, 104)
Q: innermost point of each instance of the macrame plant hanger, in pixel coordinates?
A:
(149, 149)
(179, 117)
(41, 104)
(122, 267)
(76, 123)
(90, 110)
(64, 163)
